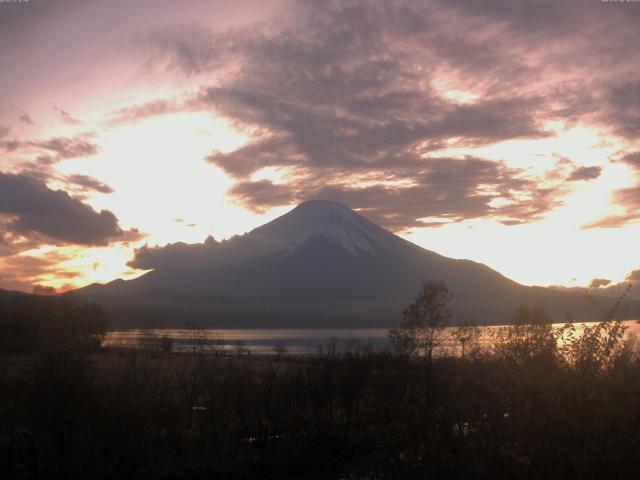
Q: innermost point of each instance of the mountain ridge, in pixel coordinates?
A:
(325, 262)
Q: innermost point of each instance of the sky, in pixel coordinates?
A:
(499, 131)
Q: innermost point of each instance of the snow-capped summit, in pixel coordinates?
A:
(319, 220)
(321, 262)
(329, 220)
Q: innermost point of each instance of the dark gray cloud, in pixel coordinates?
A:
(41, 168)
(632, 159)
(262, 194)
(144, 110)
(7, 145)
(12, 243)
(341, 89)
(606, 288)
(189, 47)
(6, 245)
(585, 173)
(623, 109)
(131, 236)
(543, 18)
(43, 290)
(64, 147)
(630, 199)
(454, 190)
(632, 280)
(45, 160)
(10, 145)
(33, 208)
(344, 97)
(26, 119)
(176, 255)
(66, 117)
(599, 282)
(30, 15)
(89, 183)
(634, 276)
(317, 137)
(270, 151)
(351, 93)
(52, 150)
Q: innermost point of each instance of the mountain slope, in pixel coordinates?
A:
(322, 264)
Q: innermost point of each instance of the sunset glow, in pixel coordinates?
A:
(514, 146)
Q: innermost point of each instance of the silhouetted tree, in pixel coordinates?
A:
(530, 336)
(423, 320)
(29, 322)
(596, 347)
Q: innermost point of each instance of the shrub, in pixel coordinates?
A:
(423, 321)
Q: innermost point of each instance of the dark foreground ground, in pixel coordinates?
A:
(525, 409)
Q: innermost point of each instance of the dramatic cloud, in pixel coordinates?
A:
(7, 145)
(634, 276)
(34, 208)
(342, 114)
(176, 255)
(262, 194)
(607, 288)
(585, 173)
(452, 190)
(132, 235)
(145, 110)
(22, 272)
(10, 145)
(64, 148)
(89, 183)
(632, 280)
(623, 101)
(314, 137)
(67, 117)
(633, 159)
(26, 119)
(416, 113)
(190, 48)
(357, 90)
(42, 290)
(599, 282)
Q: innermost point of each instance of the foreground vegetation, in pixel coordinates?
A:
(538, 403)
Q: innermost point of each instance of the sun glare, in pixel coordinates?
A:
(168, 203)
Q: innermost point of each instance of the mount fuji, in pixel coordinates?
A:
(321, 264)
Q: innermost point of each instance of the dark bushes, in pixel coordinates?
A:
(359, 414)
(540, 403)
(29, 322)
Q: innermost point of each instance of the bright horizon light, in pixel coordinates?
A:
(482, 140)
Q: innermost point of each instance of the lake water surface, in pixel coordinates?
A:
(290, 341)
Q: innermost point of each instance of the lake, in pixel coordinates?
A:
(290, 341)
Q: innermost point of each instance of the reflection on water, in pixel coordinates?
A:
(290, 341)
(258, 342)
